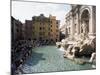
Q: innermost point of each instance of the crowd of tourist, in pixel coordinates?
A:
(20, 51)
(37, 43)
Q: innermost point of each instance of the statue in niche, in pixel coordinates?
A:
(84, 28)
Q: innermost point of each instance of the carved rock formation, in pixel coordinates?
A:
(80, 46)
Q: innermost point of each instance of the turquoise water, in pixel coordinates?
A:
(50, 59)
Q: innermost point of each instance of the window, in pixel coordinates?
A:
(56, 36)
(56, 40)
(40, 28)
(57, 22)
(50, 21)
(17, 30)
(48, 33)
(56, 30)
(57, 26)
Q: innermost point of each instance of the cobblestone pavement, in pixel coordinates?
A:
(50, 59)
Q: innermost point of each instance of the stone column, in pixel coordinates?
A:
(92, 23)
(71, 23)
(78, 26)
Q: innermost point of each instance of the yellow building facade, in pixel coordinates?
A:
(54, 28)
(45, 28)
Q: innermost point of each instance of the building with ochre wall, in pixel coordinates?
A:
(45, 28)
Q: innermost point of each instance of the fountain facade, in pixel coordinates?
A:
(80, 40)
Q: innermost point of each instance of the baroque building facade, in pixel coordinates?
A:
(81, 19)
(80, 40)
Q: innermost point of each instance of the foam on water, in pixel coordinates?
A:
(61, 49)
